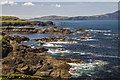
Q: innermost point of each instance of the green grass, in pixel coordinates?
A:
(5, 18)
(26, 77)
(19, 76)
(15, 21)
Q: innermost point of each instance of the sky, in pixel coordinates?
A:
(63, 0)
(37, 9)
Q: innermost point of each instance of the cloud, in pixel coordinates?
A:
(28, 4)
(8, 2)
(57, 5)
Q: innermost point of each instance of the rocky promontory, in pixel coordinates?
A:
(22, 59)
(15, 21)
(50, 30)
(55, 30)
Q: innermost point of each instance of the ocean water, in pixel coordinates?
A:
(102, 47)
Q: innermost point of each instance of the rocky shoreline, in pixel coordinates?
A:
(50, 30)
(22, 59)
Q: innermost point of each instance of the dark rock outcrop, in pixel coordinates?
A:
(33, 61)
(19, 30)
(54, 30)
(51, 30)
(54, 39)
(29, 23)
(70, 60)
(16, 38)
(6, 47)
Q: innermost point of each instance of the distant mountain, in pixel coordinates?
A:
(110, 16)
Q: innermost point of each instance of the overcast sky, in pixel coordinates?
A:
(63, 0)
(38, 9)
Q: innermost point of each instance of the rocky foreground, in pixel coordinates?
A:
(21, 59)
(50, 30)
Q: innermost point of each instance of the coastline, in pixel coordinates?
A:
(53, 41)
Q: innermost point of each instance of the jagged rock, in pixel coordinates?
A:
(33, 61)
(81, 38)
(58, 73)
(54, 30)
(70, 60)
(40, 43)
(6, 47)
(54, 39)
(51, 30)
(16, 38)
(80, 29)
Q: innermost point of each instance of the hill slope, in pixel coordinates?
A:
(110, 16)
(14, 21)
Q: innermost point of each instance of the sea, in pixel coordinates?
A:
(100, 52)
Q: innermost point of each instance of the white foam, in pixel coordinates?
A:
(99, 30)
(97, 55)
(52, 45)
(80, 68)
(64, 42)
(86, 39)
(92, 45)
(54, 51)
(90, 40)
(107, 34)
(80, 53)
(32, 46)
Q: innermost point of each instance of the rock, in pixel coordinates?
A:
(49, 23)
(115, 34)
(97, 32)
(36, 50)
(80, 29)
(26, 23)
(83, 34)
(17, 38)
(81, 38)
(6, 47)
(54, 39)
(42, 73)
(25, 68)
(73, 71)
(51, 30)
(40, 43)
(33, 61)
(60, 73)
(70, 60)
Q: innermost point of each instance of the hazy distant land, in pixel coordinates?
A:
(109, 16)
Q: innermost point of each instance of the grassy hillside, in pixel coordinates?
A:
(10, 18)
(14, 21)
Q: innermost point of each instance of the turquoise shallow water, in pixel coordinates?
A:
(102, 46)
